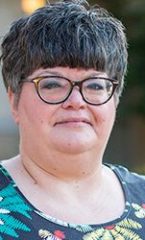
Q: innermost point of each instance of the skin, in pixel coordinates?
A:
(73, 128)
(61, 150)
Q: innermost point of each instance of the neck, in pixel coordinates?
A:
(72, 186)
(100, 187)
(66, 167)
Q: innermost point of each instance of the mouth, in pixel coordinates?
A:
(74, 122)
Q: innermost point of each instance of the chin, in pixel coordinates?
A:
(74, 145)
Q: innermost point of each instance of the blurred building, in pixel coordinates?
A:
(9, 11)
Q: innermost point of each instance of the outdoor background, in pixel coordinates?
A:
(127, 142)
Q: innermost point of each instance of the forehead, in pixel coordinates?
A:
(71, 73)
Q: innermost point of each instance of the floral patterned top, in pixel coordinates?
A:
(20, 220)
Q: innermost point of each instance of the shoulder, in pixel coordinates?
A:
(133, 184)
(127, 175)
(7, 167)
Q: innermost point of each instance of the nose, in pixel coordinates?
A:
(75, 100)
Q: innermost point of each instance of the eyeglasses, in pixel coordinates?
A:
(57, 89)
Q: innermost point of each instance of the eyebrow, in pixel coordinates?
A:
(52, 72)
(94, 74)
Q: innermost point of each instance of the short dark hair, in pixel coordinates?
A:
(67, 33)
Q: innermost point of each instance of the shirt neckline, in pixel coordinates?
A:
(117, 171)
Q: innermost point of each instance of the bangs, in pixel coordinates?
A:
(64, 34)
(68, 45)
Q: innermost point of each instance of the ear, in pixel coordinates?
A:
(13, 104)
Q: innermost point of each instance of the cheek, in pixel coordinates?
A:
(29, 112)
(35, 114)
(105, 116)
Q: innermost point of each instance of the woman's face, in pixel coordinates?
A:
(72, 127)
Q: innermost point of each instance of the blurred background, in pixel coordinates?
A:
(127, 142)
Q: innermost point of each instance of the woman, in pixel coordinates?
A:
(63, 67)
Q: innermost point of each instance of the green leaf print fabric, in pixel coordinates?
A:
(19, 219)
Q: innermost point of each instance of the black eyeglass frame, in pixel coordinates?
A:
(36, 81)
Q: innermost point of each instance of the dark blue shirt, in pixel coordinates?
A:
(21, 220)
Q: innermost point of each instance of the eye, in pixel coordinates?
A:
(95, 86)
(50, 84)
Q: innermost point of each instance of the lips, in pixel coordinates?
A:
(73, 121)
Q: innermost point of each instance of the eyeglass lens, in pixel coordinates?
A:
(57, 89)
